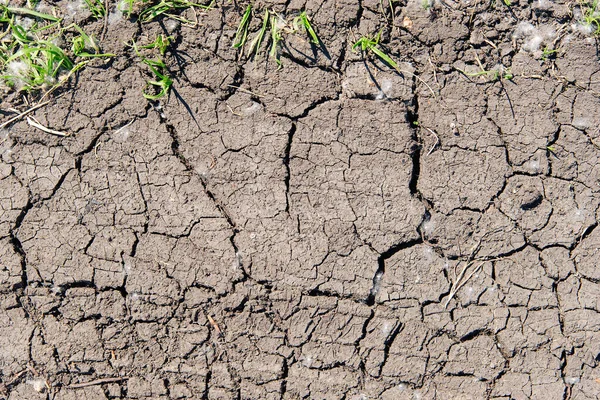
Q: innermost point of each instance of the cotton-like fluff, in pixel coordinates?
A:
(533, 37)
(38, 384)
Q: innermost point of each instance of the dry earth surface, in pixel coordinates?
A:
(327, 230)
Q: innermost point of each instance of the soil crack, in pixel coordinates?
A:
(370, 300)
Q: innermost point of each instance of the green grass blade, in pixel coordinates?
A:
(19, 33)
(96, 7)
(31, 13)
(257, 41)
(309, 29)
(384, 57)
(275, 39)
(242, 32)
(166, 6)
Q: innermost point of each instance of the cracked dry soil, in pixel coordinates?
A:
(301, 233)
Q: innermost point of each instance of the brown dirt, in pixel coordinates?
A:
(297, 233)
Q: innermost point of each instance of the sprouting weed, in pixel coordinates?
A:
(161, 43)
(591, 15)
(161, 82)
(494, 74)
(279, 28)
(275, 39)
(370, 45)
(257, 41)
(427, 4)
(552, 150)
(242, 32)
(302, 21)
(97, 8)
(35, 56)
(548, 53)
(148, 10)
(85, 45)
(507, 3)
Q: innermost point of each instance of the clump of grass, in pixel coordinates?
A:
(161, 43)
(302, 22)
(549, 53)
(148, 10)
(591, 15)
(369, 44)
(34, 56)
(85, 45)
(279, 28)
(161, 82)
(96, 7)
(493, 74)
(257, 41)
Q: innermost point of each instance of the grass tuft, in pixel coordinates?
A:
(34, 56)
(369, 44)
(303, 21)
(279, 28)
(161, 82)
(148, 10)
(257, 41)
(161, 43)
(97, 8)
(591, 15)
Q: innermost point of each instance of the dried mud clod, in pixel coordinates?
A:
(417, 225)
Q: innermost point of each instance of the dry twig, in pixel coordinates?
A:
(24, 113)
(36, 124)
(97, 382)
(214, 324)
